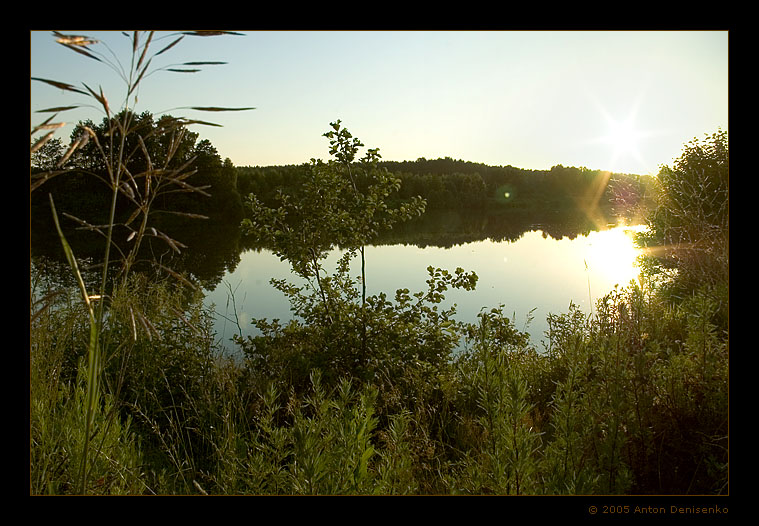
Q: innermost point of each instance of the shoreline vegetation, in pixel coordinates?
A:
(361, 394)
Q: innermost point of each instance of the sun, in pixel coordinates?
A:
(624, 139)
(619, 136)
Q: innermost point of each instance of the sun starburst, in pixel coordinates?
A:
(624, 138)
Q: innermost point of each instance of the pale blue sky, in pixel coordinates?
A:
(530, 99)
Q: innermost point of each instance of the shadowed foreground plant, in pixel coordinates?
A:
(59, 420)
(343, 203)
(138, 187)
(567, 466)
(395, 469)
(506, 459)
(321, 444)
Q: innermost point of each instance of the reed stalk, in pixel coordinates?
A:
(120, 182)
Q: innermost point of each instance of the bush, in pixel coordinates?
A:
(689, 229)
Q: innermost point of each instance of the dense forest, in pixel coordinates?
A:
(383, 394)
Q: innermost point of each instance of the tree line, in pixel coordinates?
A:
(446, 183)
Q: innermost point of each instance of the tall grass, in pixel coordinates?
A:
(115, 155)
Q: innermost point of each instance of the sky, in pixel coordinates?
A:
(625, 101)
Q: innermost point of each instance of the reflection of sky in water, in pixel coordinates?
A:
(534, 272)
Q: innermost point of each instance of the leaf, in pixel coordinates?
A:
(71, 259)
(70, 151)
(169, 46)
(60, 85)
(216, 108)
(139, 77)
(178, 276)
(46, 124)
(173, 243)
(57, 109)
(186, 214)
(144, 49)
(37, 145)
(202, 122)
(132, 217)
(209, 63)
(176, 70)
(207, 33)
(99, 97)
(82, 52)
(145, 152)
(76, 40)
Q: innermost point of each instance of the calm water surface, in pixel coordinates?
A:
(535, 274)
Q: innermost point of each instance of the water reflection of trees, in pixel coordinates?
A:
(213, 248)
(449, 228)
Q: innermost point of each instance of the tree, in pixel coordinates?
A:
(343, 202)
(173, 176)
(47, 156)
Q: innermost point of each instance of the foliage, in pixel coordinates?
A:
(689, 230)
(171, 178)
(504, 458)
(632, 400)
(410, 329)
(58, 411)
(343, 203)
(57, 426)
(119, 144)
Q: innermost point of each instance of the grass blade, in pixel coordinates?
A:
(217, 108)
(57, 109)
(74, 40)
(208, 33)
(40, 142)
(82, 52)
(93, 354)
(60, 85)
(169, 46)
(144, 49)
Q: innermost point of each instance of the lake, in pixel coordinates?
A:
(532, 274)
(533, 261)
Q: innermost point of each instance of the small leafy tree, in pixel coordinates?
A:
(343, 203)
